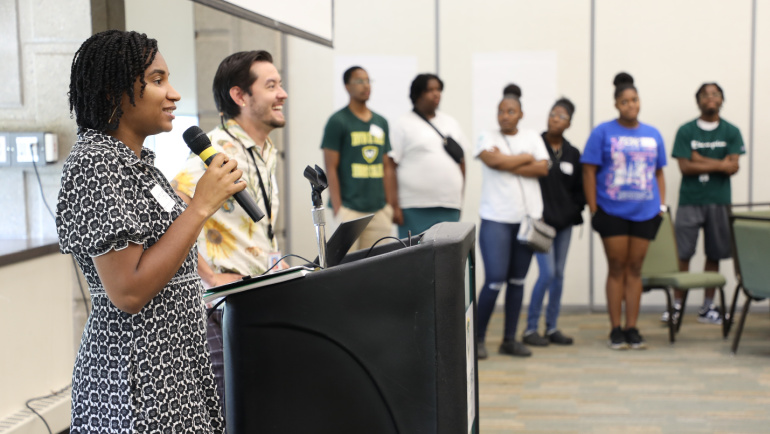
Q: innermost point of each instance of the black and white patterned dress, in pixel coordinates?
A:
(148, 372)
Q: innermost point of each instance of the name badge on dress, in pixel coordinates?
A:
(163, 198)
(566, 167)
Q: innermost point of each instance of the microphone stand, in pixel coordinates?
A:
(318, 183)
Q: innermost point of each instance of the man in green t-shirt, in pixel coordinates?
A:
(707, 149)
(361, 181)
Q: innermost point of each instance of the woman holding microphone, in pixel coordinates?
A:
(143, 364)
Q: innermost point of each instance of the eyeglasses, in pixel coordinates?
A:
(710, 95)
(361, 81)
(558, 116)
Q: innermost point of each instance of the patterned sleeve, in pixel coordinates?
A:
(99, 208)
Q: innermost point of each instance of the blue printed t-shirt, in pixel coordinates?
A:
(627, 159)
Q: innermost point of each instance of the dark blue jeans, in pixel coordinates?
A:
(505, 261)
(551, 280)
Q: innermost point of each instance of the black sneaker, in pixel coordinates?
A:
(534, 339)
(617, 339)
(514, 348)
(481, 351)
(634, 339)
(556, 337)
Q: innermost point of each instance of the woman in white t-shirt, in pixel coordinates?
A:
(513, 160)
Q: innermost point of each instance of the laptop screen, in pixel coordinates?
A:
(343, 238)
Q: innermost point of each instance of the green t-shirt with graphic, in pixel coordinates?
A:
(707, 188)
(362, 146)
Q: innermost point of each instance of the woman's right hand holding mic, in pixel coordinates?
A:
(219, 183)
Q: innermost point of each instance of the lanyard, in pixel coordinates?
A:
(265, 197)
(268, 207)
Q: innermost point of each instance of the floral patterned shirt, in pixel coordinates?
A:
(230, 241)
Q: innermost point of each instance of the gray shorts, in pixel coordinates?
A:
(716, 231)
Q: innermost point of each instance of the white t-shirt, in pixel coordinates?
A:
(501, 199)
(427, 175)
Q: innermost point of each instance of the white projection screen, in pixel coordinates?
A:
(307, 19)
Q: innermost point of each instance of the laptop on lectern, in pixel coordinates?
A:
(343, 238)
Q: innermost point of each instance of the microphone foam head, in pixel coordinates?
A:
(196, 139)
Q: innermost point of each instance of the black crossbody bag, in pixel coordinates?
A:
(450, 145)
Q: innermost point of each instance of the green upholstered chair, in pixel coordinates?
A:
(743, 210)
(751, 250)
(660, 270)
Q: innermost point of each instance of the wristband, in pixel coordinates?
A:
(663, 208)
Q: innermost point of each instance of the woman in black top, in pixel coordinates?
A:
(143, 365)
(563, 203)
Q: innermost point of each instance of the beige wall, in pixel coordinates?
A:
(36, 316)
(175, 42)
(761, 132)
(669, 47)
(521, 26)
(380, 28)
(47, 38)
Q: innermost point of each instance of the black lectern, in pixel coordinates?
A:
(378, 344)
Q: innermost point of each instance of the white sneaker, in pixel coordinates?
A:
(677, 314)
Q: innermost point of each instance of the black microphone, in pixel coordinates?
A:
(199, 143)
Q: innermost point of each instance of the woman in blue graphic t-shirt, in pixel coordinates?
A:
(624, 186)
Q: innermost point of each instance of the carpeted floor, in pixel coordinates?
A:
(693, 386)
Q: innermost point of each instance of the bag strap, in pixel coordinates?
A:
(429, 123)
(518, 177)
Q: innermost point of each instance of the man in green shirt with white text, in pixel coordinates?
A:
(707, 149)
(361, 180)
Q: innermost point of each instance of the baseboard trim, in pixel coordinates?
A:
(54, 409)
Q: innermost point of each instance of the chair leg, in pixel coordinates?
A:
(681, 314)
(740, 325)
(670, 308)
(729, 318)
(725, 328)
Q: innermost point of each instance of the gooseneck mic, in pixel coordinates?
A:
(200, 144)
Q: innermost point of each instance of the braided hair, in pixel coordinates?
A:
(105, 68)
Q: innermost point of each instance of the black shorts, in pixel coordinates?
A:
(610, 226)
